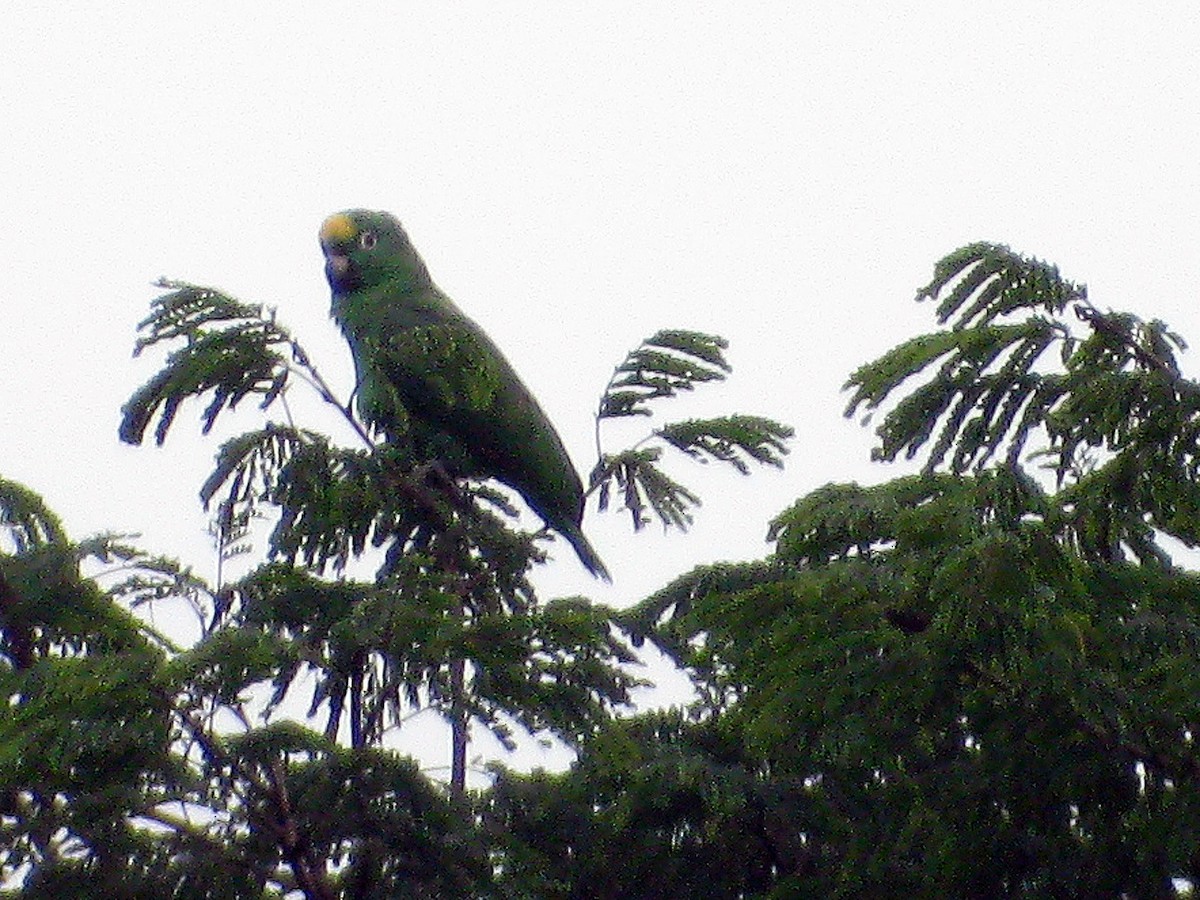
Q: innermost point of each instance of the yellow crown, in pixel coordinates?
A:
(338, 229)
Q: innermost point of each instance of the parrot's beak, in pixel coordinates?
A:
(337, 269)
(336, 263)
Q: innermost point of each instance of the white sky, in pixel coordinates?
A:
(783, 174)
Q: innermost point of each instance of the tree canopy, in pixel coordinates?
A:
(976, 680)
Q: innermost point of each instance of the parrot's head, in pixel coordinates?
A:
(363, 248)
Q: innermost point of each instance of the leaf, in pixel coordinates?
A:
(27, 519)
(1000, 282)
(242, 356)
(643, 486)
(757, 438)
(661, 366)
(230, 661)
(991, 389)
(250, 463)
(664, 616)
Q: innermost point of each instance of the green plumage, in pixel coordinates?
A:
(425, 369)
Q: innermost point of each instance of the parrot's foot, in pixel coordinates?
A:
(435, 474)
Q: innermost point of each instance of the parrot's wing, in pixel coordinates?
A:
(453, 377)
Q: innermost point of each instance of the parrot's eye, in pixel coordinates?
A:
(367, 240)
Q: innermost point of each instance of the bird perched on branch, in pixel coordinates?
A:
(419, 359)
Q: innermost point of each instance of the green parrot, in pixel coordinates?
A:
(420, 361)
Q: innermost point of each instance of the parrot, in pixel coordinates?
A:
(424, 367)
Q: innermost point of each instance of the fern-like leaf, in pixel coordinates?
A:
(644, 488)
(993, 282)
(729, 438)
(991, 388)
(661, 366)
(231, 349)
(27, 519)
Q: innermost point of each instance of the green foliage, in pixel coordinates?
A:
(642, 485)
(995, 281)
(85, 728)
(334, 503)
(677, 803)
(557, 667)
(975, 681)
(964, 705)
(995, 386)
(759, 439)
(984, 684)
(115, 782)
(26, 520)
(386, 645)
(241, 356)
(385, 828)
(662, 366)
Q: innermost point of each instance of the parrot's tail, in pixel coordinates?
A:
(591, 561)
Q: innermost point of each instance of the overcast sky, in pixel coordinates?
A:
(783, 174)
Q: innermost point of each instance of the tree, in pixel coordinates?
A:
(979, 680)
(138, 768)
(115, 781)
(451, 619)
